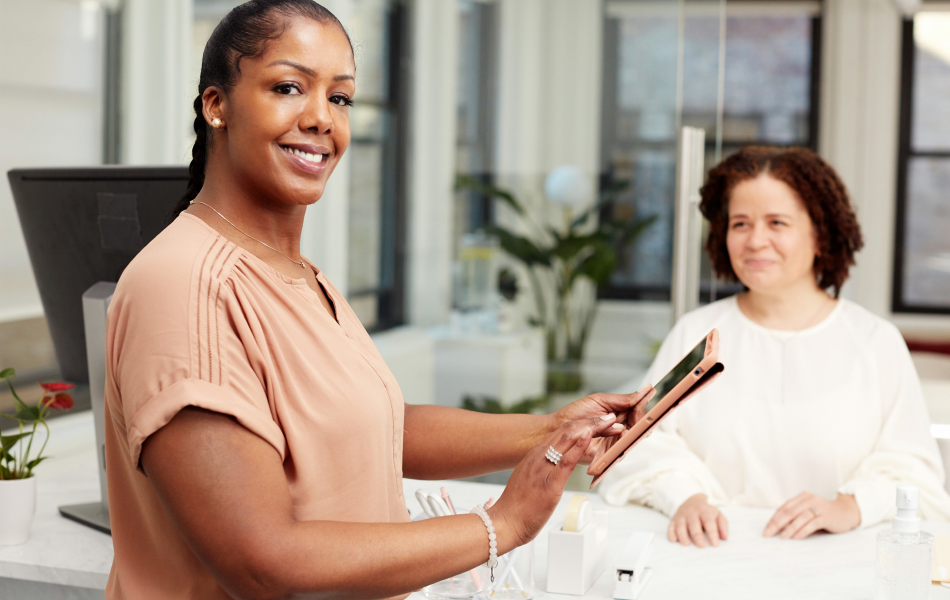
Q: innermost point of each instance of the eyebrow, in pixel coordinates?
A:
(308, 70)
(768, 216)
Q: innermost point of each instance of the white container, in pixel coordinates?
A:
(904, 554)
(576, 559)
(17, 508)
(514, 575)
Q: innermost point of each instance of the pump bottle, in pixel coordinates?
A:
(904, 553)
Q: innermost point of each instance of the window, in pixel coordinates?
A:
(922, 250)
(477, 96)
(770, 98)
(377, 155)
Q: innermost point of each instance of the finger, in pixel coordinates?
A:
(621, 402)
(696, 531)
(712, 529)
(797, 523)
(788, 511)
(723, 526)
(566, 436)
(671, 532)
(681, 533)
(809, 528)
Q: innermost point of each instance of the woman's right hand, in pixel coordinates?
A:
(693, 519)
(536, 485)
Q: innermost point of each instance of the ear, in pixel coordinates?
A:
(214, 104)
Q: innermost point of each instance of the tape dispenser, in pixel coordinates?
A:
(577, 550)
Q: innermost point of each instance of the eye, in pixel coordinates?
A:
(777, 223)
(737, 224)
(288, 89)
(341, 100)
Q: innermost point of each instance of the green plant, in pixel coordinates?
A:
(557, 260)
(17, 462)
(487, 404)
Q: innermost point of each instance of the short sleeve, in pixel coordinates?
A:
(174, 341)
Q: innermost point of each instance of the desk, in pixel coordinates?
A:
(67, 561)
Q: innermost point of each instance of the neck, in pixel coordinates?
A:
(252, 212)
(790, 309)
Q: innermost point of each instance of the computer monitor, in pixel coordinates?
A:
(82, 226)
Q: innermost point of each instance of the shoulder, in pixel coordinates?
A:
(868, 329)
(166, 273)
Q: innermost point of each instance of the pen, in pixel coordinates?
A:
(448, 500)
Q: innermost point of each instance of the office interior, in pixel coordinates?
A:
(509, 94)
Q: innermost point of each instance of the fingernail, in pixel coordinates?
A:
(608, 417)
(646, 387)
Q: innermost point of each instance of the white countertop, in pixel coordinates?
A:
(747, 566)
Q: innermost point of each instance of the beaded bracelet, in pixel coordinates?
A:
(492, 543)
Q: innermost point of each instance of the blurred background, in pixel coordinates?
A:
(503, 220)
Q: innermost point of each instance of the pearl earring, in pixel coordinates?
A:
(216, 123)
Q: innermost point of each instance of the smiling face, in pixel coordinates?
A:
(287, 116)
(771, 239)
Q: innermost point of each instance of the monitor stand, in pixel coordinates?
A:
(94, 514)
(95, 304)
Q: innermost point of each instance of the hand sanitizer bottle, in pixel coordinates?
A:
(905, 553)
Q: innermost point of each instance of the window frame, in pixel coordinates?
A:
(391, 298)
(663, 293)
(905, 153)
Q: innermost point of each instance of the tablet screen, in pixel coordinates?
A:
(677, 373)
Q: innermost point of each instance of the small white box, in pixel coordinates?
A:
(576, 559)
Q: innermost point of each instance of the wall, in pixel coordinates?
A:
(50, 115)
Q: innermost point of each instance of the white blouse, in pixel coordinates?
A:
(835, 408)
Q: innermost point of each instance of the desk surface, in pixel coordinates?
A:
(747, 566)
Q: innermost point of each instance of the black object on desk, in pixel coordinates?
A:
(82, 227)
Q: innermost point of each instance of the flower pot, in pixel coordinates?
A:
(17, 507)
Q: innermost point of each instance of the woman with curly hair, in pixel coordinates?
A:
(819, 413)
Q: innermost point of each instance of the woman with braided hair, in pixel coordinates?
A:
(819, 414)
(256, 440)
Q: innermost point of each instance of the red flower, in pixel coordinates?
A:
(52, 388)
(60, 401)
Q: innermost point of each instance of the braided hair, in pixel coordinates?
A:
(243, 33)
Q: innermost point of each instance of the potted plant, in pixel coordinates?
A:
(17, 459)
(557, 261)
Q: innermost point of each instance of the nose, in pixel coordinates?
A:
(758, 238)
(317, 115)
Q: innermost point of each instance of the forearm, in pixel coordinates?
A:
(448, 443)
(368, 560)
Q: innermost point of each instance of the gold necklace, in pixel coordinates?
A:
(296, 262)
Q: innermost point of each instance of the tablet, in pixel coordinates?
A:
(696, 370)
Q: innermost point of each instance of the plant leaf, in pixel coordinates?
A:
(34, 462)
(520, 247)
(27, 414)
(7, 374)
(8, 441)
(468, 182)
(632, 231)
(598, 266)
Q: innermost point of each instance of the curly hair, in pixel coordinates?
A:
(816, 184)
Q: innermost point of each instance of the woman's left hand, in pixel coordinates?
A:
(628, 408)
(806, 513)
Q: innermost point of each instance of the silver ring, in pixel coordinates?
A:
(814, 511)
(553, 455)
